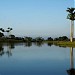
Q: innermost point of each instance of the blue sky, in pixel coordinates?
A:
(36, 17)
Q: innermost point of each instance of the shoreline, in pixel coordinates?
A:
(63, 43)
(56, 43)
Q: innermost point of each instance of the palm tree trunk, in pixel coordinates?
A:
(71, 58)
(72, 31)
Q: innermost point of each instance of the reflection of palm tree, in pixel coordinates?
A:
(71, 71)
(71, 58)
(71, 16)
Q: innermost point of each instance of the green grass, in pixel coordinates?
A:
(62, 43)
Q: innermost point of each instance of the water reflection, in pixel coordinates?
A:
(49, 43)
(28, 44)
(39, 44)
(8, 50)
(71, 71)
(11, 46)
(42, 60)
(1, 50)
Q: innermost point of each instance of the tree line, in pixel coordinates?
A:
(37, 39)
(29, 39)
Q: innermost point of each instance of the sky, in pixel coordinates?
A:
(46, 18)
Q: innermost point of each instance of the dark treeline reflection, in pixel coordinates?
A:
(8, 50)
(49, 44)
(39, 44)
(28, 44)
(11, 46)
(71, 71)
(1, 50)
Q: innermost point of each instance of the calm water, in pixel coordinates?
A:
(23, 59)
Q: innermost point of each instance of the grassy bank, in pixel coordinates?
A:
(62, 43)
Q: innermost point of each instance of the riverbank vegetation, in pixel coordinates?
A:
(58, 41)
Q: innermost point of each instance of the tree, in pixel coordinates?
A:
(8, 31)
(50, 39)
(1, 34)
(71, 16)
(12, 36)
(39, 39)
(28, 39)
(56, 39)
(2, 29)
(63, 38)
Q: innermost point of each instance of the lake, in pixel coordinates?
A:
(35, 59)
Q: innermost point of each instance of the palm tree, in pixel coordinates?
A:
(71, 16)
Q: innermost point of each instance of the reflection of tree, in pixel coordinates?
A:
(28, 44)
(1, 50)
(39, 44)
(71, 71)
(12, 46)
(71, 58)
(9, 48)
(49, 44)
